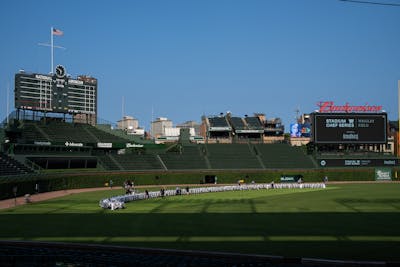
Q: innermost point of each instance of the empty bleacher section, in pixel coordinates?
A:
(245, 132)
(212, 156)
(231, 156)
(61, 132)
(9, 166)
(103, 136)
(54, 143)
(109, 163)
(131, 162)
(283, 156)
(31, 132)
(36, 149)
(60, 162)
(184, 157)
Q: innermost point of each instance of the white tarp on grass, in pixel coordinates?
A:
(118, 202)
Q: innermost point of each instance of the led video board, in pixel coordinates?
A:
(349, 128)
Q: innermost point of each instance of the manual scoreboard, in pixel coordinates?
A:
(57, 92)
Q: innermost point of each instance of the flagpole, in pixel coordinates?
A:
(52, 50)
(53, 32)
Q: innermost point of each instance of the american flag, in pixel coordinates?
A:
(57, 32)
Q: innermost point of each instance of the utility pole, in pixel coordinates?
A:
(398, 119)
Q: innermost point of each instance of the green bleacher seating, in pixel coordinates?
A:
(189, 157)
(60, 132)
(209, 156)
(108, 163)
(232, 156)
(32, 133)
(283, 156)
(10, 166)
(58, 150)
(131, 162)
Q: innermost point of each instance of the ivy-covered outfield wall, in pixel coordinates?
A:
(60, 181)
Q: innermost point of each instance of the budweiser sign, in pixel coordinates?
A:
(329, 106)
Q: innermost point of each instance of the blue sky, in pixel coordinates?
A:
(183, 59)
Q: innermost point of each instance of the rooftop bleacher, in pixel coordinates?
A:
(219, 122)
(237, 123)
(253, 123)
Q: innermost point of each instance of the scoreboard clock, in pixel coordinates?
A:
(60, 71)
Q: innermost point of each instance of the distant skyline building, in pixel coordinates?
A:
(159, 125)
(191, 124)
(128, 124)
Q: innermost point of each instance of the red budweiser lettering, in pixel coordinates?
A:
(329, 106)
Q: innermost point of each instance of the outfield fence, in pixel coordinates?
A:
(118, 202)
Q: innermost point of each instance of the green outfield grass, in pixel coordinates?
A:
(349, 221)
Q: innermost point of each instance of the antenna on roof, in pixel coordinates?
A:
(123, 106)
(8, 101)
(297, 110)
(152, 119)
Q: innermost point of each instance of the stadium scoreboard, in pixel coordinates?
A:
(57, 92)
(349, 128)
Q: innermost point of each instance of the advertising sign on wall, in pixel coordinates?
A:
(357, 162)
(383, 174)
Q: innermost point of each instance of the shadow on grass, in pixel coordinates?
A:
(355, 203)
(366, 235)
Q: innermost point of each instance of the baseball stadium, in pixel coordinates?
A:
(230, 191)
